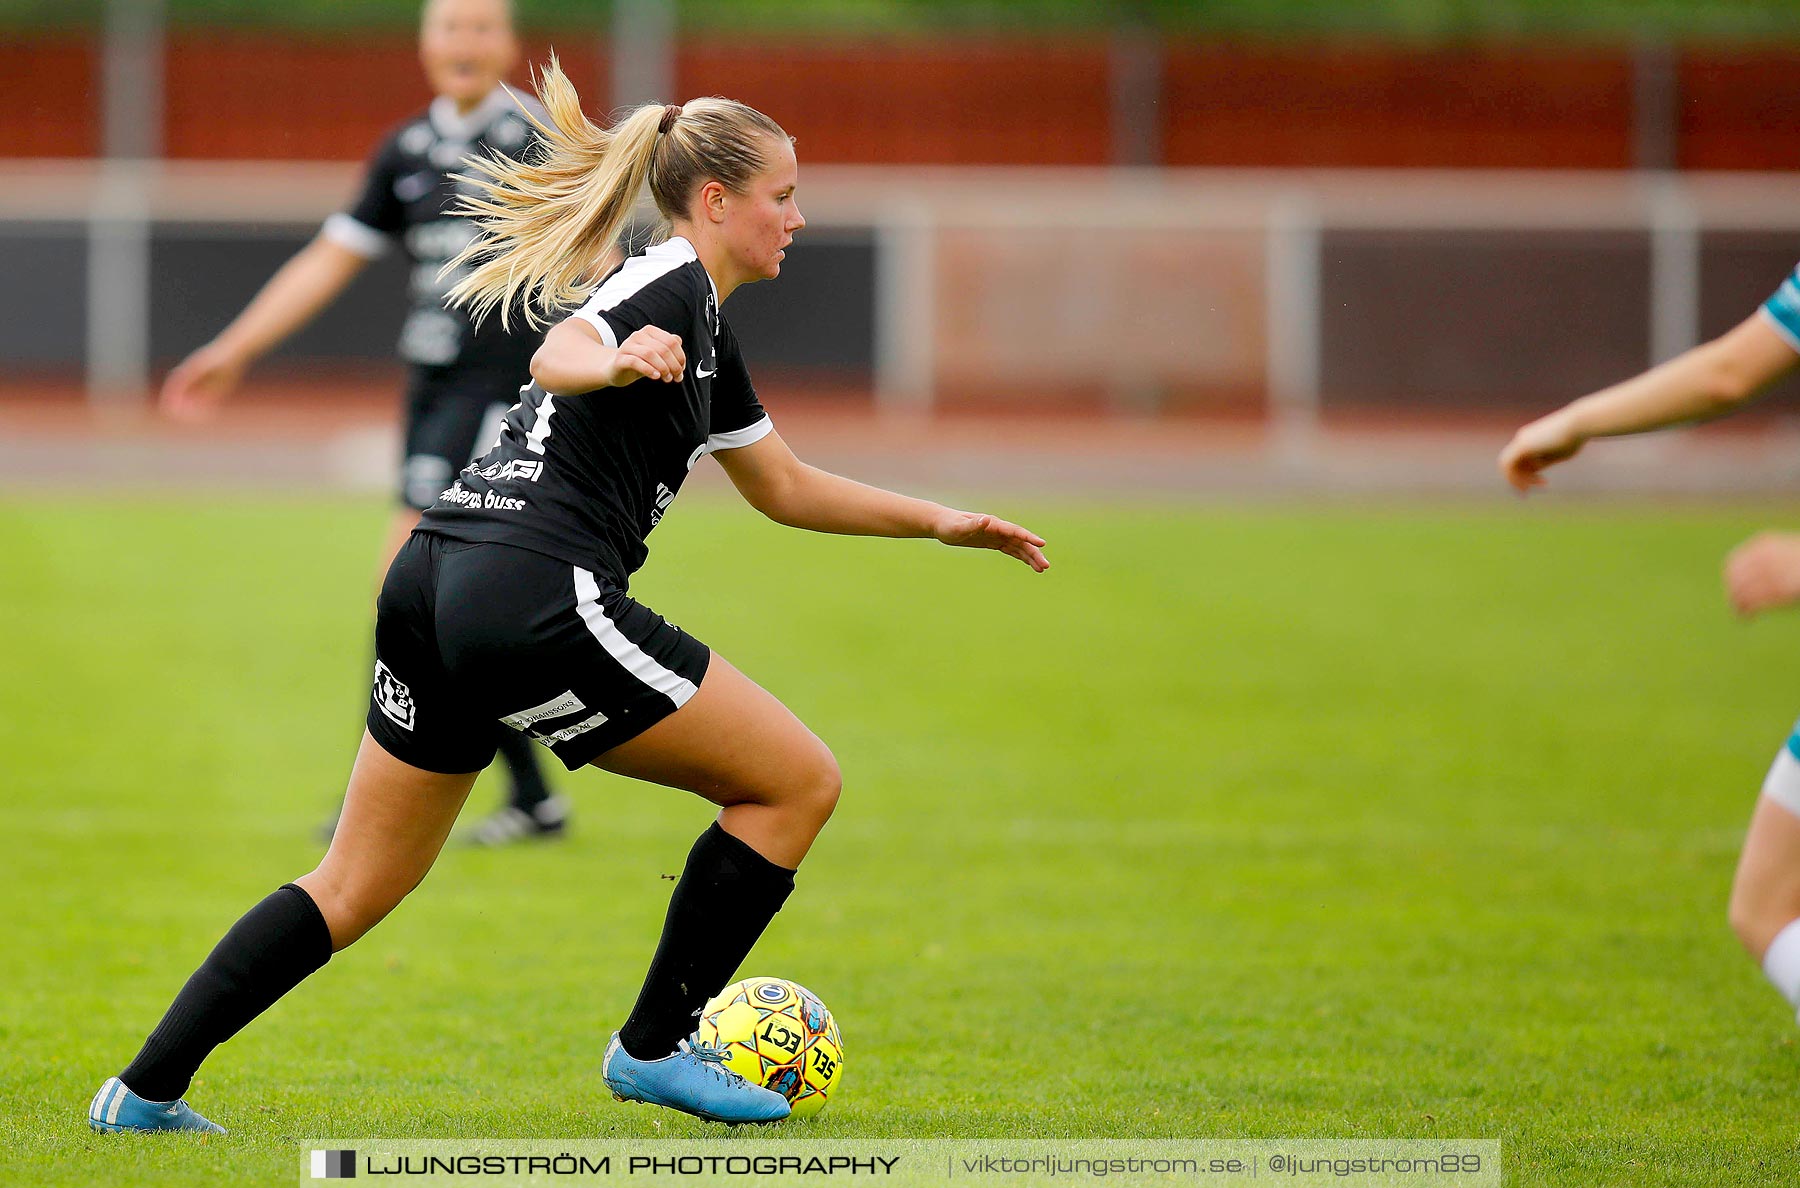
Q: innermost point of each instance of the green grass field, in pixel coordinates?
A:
(1372, 823)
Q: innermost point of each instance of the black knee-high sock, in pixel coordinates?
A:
(268, 952)
(727, 895)
(528, 787)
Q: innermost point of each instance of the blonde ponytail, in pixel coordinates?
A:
(547, 224)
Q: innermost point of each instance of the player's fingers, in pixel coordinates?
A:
(632, 364)
(662, 337)
(1017, 532)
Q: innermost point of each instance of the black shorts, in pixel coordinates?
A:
(467, 635)
(452, 417)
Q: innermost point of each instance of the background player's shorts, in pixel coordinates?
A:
(470, 634)
(453, 416)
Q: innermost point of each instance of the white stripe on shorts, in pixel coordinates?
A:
(1782, 784)
(672, 685)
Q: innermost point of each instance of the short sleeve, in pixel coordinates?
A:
(377, 216)
(738, 417)
(627, 302)
(1783, 309)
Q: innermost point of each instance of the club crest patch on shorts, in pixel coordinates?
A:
(393, 698)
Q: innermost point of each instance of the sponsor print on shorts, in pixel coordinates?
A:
(393, 698)
(562, 705)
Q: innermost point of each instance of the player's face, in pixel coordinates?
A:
(761, 222)
(466, 47)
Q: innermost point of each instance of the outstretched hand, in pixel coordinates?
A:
(200, 383)
(972, 530)
(1537, 447)
(1763, 573)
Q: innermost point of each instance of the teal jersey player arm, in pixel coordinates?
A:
(1783, 309)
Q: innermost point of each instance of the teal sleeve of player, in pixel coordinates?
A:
(1783, 309)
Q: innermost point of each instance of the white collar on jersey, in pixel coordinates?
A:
(452, 126)
(681, 247)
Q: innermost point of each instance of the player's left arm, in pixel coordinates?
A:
(788, 491)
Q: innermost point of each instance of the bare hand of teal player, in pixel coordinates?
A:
(971, 530)
(1538, 446)
(1763, 573)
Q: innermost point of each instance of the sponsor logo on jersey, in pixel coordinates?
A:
(526, 471)
(705, 373)
(417, 138)
(431, 337)
(440, 239)
(560, 706)
(506, 133)
(664, 497)
(448, 154)
(415, 186)
(393, 698)
(461, 496)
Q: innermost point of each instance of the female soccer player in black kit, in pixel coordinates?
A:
(509, 602)
(462, 377)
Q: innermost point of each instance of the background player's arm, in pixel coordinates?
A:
(575, 359)
(1708, 381)
(303, 286)
(788, 491)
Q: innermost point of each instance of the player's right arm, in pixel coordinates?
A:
(1710, 380)
(303, 286)
(575, 359)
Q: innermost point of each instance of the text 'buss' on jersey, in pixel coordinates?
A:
(528, 471)
(464, 497)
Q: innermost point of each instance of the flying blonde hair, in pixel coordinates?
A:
(547, 223)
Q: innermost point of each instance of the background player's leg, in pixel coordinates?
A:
(1765, 895)
(776, 785)
(532, 810)
(394, 823)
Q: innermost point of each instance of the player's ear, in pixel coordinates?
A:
(712, 201)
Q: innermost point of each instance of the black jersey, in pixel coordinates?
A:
(408, 195)
(585, 478)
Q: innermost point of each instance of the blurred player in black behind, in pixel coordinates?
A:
(510, 603)
(462, 377)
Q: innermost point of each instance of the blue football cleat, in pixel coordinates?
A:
(117, 1109)
(693, 1080)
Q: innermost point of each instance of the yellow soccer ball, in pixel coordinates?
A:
(777, 1034)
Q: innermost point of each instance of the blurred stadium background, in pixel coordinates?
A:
(1169, 244)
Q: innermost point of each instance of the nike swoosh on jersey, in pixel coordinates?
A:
(415, 186)
(702, 373)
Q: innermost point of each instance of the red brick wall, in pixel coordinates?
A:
(919, 102)
(254, 95)
(1740, 110)
(958, 100)
(1379, 106)
(49, 104)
